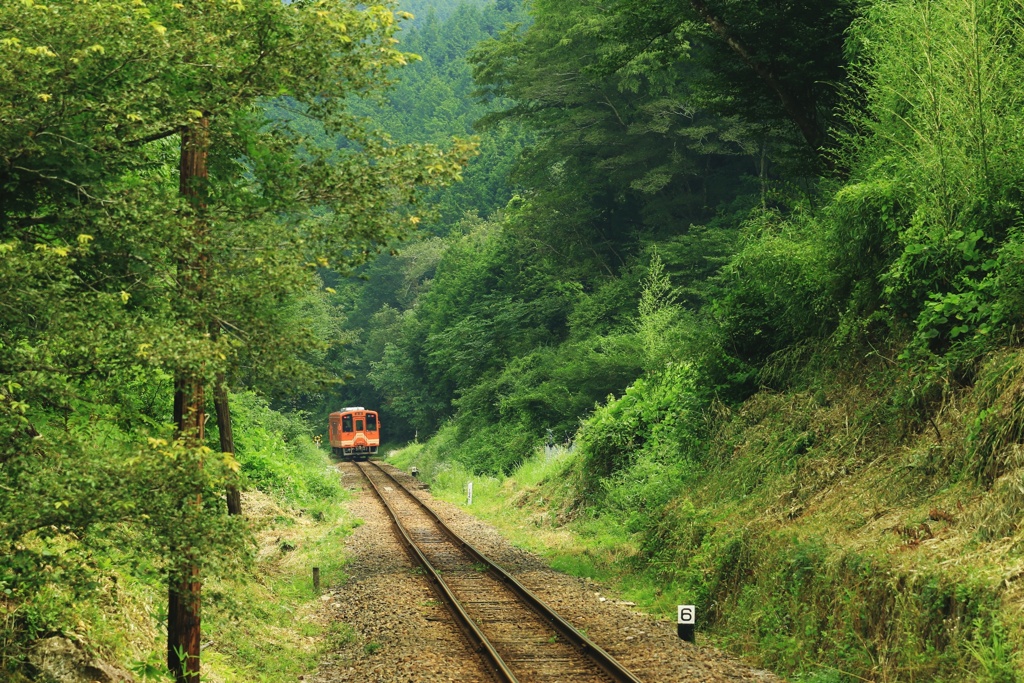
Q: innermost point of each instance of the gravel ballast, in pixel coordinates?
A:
(399, 631)
(387, 624)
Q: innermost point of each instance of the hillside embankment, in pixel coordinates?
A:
(263, 625)
(865, 526)
(262, 618)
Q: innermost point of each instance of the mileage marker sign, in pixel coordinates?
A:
(686, 623)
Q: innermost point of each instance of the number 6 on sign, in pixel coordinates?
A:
(686, 624)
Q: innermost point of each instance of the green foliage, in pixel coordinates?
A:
(654, 221)
(659, 318)
(116, 285)
(675, 244)
(496, 448)
(604, 89)
(656, 415)
(438, 10)
(997, 663)
(94, 560)
(940, 120)
(282, 147)
(103, 501)
(432, 101)
(487, 304)
(278, 457)
(548, 290)
(550, 387)
(774, 293)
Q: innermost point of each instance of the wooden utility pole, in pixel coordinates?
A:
(183, 604)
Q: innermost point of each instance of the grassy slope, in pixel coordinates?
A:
(269, 630)
(259, 626)
(828, 536)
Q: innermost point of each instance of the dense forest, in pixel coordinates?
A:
(737, 190)
(759, 267)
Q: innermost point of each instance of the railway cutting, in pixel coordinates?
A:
(520, 637)
(393, 627)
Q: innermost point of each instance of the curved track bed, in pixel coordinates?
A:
(522, 639)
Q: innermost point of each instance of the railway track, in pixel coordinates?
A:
(521, 638)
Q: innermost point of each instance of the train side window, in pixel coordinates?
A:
(346, 423)
(371, 423)
(359, 425)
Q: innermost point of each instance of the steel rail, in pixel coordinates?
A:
(469, 626)
(604, 660)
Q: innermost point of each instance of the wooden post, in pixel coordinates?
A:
(316, 579)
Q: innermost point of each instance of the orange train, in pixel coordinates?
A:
(355, 433)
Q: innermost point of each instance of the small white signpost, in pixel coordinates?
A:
(469, 493)
(686, 623)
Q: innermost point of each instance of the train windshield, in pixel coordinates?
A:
(359, 425)
(346, 423)
(371, 423)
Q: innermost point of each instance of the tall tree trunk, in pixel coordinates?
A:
(184, 590)
(183, 597)
(227, 438)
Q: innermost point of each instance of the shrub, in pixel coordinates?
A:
(657, 413)
(776, 291)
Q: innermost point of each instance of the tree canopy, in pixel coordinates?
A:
(126, 274)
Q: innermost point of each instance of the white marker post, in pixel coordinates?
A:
(469, 493)
(686, 624)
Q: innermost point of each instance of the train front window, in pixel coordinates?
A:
(359, 425)
(346, 423)
(371, 423)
